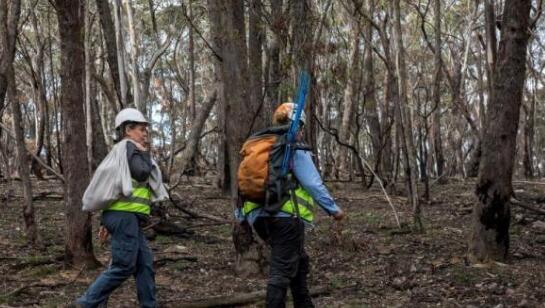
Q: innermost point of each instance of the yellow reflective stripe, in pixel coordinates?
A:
(249, 206)
(304, 212)
(304, 201)
(125, 206)
(138, 202)
(142, 192)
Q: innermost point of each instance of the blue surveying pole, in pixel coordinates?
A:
(302, 90)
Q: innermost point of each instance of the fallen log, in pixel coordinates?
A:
(237, 299)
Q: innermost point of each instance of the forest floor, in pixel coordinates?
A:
(371, 264)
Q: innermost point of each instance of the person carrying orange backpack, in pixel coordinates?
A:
(280, 208)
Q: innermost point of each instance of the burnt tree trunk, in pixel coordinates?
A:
(492, 214)
(79, 246)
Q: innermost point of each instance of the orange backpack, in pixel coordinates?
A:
(253, 171)
(259, 173)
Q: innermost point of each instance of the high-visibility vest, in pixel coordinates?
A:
(305, 203)
(139, 201)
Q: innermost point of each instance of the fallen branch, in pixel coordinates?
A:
(236, 300)
(36, 157)
(193, 214)
(48, 196)
(527, 206)
(212, 224)
(34, 261)
(165, 260)
(20, 290)
(529, 182)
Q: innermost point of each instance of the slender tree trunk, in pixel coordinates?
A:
(529, 133)
(109, 33)
(9, 20)
(350, 95)
(406, 119)
(491, 42)
(135, 73)
(436, 118)
(89, 93)
(194, 137)
(192, 102)
(223, 180)
(22, 162)
(371, 107)
(302, 40)
(36, 66)
(79, 246)
(272, 98)
(256, 37)
(126, 97)
(492, 214)
(100, 148)
(390, 119)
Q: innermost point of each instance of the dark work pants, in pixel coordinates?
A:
(289, 265)
(131, 256)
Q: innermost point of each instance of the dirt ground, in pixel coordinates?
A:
(365, 262)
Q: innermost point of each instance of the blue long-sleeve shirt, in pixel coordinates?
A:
(305, 171)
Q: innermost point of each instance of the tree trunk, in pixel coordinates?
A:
(389, 121)
(371, 107)
(406, 119)
(302, 41)
(8, 30)
(9, 20)
(272, 98)
(109, 33)
(492, 214)
(100, 148)
(529, 133)
(135, 73)
(228, 29)
(194, 137)
(192, 102)
(89, 90)
(79, 246)
(126, 97)
(491, 43)
(350, 95)
(436, 118)
(256, 37)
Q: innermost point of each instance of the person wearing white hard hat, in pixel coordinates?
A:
(123, 219)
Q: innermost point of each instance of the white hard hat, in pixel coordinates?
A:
(286, 111)
(129, 115)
